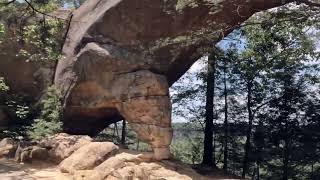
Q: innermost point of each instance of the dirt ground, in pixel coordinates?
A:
(10, 170)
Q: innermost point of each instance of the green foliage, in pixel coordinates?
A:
(188, 150)
(43, 39)
(17, 109)
(32, 29)
(3, 86)
(18, 105)
(49, 122)
(38, 37)
(274, 58)
(2, 31)
(13, 103)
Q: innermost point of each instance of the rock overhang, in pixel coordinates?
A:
(117, 51)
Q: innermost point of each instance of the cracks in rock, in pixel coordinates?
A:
(135, 70)
(146, 96)
(113, 100)
(149, 125)
(120, 52)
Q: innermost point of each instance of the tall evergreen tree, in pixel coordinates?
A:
(208, 155)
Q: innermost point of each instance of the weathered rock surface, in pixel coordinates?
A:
(88, 156)
(7, 147)
(39, 153)
(30, 151)
(26, 78)
(121, 56)
(93, 161)
(62, 145)
(52, 149)
(131, 166)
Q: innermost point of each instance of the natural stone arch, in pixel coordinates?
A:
(121, 56)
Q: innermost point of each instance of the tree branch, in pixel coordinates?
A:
(265, 103)
(40, 12)
(7, 3)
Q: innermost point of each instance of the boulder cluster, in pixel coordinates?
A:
(81, 158)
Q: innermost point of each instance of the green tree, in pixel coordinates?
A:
(49, 122)
(208, 149)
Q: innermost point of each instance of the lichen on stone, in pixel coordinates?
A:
(181, 4)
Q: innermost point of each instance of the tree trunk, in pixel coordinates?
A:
(208, 131)
(312, 169)
(247, 147)
(258, 170)
(123, 133)
(138, 143)
(286, 154)
(226, 125)
(287, 133)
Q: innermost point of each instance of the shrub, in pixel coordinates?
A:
(49, 121)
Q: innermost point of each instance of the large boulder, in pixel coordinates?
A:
(8, 147)
(39, 153)
(62, 145)
(31, 153)
(88, 156)
(23, 152)
(103, 170)
(126, 165)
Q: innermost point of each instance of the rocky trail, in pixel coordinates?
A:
(69, 157)
(11, 170)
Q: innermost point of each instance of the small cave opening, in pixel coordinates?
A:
(89, 121)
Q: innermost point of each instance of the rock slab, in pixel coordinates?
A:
(88, 156)
(62, 145)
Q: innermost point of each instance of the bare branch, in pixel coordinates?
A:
(40, 12)
(265, 103)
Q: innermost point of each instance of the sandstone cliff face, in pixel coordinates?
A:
(121, 56)
(26, 78)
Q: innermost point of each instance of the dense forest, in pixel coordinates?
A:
(250, 106)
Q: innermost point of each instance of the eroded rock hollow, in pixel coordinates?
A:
(121, 56)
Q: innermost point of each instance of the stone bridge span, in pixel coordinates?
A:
(121, 57)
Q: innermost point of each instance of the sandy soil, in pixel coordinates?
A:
(10, 170)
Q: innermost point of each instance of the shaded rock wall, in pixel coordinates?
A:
(25, 78)
(121, 56)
